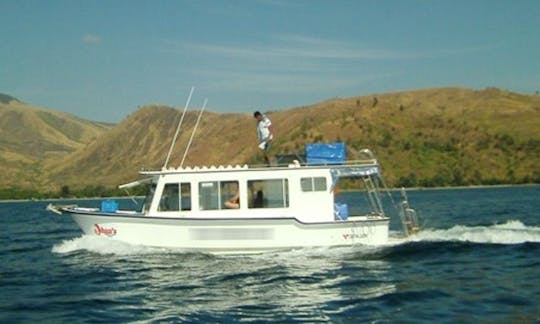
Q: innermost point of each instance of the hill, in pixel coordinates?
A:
(30, 135)
(142, 141)
(432, 137)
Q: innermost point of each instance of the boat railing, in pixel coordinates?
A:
(294, 164)
(305, 164)
(408, 216)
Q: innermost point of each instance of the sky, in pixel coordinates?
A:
(102, 60)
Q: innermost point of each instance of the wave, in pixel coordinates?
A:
(511, 232)
(103, 245)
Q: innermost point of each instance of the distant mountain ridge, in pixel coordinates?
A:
(5, 99)
(30, 135)
(430, 137)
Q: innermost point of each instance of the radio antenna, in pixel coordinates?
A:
(193, 133)
(178, 128)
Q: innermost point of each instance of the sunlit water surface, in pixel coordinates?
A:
(477, 259)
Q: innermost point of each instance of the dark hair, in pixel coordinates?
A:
(257, 113)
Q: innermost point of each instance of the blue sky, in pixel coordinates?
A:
(101, 60)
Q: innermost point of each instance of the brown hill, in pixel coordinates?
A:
(31, 135)
(143, 139)
(448, 136)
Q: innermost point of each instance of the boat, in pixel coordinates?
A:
(294, 203)
(243, 209)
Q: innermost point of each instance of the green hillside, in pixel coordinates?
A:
(30, 136)
(434, 137)
(431, 137)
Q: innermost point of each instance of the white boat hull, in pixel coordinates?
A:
(224, 236)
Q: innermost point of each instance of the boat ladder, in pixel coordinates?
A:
(373, 195)
(408, 216)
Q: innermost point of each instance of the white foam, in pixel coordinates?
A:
(102, 245)
(511, 232)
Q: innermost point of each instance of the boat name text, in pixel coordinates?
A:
(100, 230)
(354, 236)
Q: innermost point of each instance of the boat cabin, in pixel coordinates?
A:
(307, 193)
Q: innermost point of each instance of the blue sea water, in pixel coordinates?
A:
(477, 259)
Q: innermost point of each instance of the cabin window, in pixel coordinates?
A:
(149, 197)
(313, 184)
(185, 196)
(271, 193)
(169, 198)
(216, 194)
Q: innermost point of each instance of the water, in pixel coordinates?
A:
(477, 260)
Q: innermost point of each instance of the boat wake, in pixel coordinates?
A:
(511, 232)
(103, 245)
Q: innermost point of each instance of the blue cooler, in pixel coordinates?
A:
(341, 211)
(109, 206)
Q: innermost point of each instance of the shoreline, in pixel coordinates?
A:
(459, 187)
(391, 189)
(64, 199)
(472, 187)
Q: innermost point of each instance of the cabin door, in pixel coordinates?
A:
(316, 200)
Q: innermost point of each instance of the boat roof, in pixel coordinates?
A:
(359, 166)
(362, 168)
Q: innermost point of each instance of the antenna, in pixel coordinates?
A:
(178, 128)
(193, 133)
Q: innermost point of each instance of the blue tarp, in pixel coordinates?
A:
(326, 153)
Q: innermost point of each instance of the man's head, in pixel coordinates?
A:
(257, 115)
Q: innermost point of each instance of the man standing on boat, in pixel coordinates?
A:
(265, 134)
